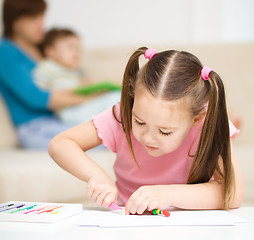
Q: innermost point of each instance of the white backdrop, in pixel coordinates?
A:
(106, 23)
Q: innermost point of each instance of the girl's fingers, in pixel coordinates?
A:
(134, 202)
(152, 205)
(109, 198)
(142, 206)
(102, 194)
(128, 205)
(100, 198)
(97, 191)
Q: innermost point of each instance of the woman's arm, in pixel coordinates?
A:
(18, 80)
(186, 196)
(68, 150)
(65, 98)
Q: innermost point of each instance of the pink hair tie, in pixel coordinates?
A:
(205, 72)
(149, 53)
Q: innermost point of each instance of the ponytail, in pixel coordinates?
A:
(127, 96)
(214, 142)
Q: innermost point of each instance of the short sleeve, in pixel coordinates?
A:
(233, 130)
(109, 130)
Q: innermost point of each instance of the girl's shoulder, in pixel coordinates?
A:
(111, 116)
(116, 112)
(109, 127)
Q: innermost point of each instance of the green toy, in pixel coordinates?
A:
(97, 87)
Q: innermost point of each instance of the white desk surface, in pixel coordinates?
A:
(68, 229)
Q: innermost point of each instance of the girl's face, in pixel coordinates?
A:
(29, 28)
(160, 125)
(66, 51)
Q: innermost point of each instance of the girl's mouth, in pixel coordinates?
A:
(151, 148)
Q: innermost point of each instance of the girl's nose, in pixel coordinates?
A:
(148, 138)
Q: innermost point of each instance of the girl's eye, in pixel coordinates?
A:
(139, 123)
(166, 134)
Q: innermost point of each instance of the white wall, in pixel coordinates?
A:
(238, 20)
(147, 22)
(116, 22)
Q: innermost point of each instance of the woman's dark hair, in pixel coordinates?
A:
(14, 9)
(172, 75)
(53, 35)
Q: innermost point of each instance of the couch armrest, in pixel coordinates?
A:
(8, 136)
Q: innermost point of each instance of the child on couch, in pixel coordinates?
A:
(60, 69)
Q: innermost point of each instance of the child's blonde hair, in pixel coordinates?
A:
(172, 75)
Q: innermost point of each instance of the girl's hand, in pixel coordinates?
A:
(101, 190)
(148, 197)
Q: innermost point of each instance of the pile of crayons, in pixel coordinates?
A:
(29, 208)
(160, 212)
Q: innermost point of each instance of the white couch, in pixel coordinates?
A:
(33, 176)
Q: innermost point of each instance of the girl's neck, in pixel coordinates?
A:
(30, 48)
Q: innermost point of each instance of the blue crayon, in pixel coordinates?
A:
(7, 209)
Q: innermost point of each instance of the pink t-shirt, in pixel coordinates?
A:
(171, 168)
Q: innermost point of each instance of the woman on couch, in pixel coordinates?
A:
(29, 106)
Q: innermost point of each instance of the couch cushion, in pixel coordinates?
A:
(8, 136)
(31, 175)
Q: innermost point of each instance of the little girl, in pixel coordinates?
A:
(171, 136)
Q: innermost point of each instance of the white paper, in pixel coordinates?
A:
(105, 219)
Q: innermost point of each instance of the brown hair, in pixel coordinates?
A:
(14, 9)
(53, 35)
(172, 75)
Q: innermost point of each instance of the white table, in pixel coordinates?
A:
(68, 229)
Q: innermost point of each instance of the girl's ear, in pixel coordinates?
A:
(198, 118)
